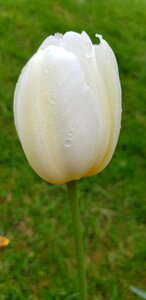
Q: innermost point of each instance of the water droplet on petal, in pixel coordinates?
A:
(88, 55)
(68, 142)
(70, 133)
(46, 70)
(51, 99)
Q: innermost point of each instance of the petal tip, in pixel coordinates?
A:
(58, 36)
(99, 36)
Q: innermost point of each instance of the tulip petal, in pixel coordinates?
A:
(57, 116)
(107, 66)
(81, 46)
(51, 40)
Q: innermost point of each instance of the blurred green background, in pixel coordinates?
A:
(39, 264)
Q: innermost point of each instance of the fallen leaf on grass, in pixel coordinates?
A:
(4, 242)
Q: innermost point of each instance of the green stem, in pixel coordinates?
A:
(75, 211)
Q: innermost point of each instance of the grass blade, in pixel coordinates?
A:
(137, 292)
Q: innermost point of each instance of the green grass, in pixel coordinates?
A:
(39, 264)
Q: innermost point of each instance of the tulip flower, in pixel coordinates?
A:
(67, 111)
(67, 107)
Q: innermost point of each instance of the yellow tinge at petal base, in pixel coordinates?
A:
(67, 107)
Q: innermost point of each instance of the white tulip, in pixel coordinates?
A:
(67, 107)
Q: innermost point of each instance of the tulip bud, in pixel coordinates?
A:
(67, 107)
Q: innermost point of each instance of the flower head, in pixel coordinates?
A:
(67, 107)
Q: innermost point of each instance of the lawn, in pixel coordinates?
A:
(39, 263)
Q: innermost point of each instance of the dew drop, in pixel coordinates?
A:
(46, 70)
(68, 142)
(88, 55)
(51, 99)
(70, 133)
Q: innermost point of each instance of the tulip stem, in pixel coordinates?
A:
(75, 212)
